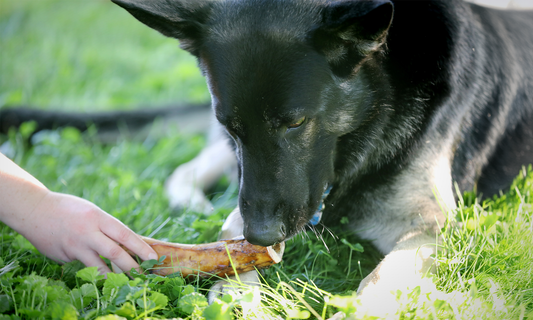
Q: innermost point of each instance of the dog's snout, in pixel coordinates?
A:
(265, 234)
(264, 219)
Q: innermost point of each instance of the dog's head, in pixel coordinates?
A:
(286, 82)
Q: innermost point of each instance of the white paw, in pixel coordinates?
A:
(184, 192)
(185, 187)
(190, 198)
(378, 292)
(338, 316)
(401, 271)
(233, 226)
(377, 299)
(223, 287)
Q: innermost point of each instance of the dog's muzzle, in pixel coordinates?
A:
(266, 230)
(266, 234)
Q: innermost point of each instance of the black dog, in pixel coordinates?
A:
(385, 103)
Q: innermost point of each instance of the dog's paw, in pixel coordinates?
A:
(381, 299)
(338, 316)
(184, 192)
(400, 272)
(378, 299)
(190, 198)
(222, 287)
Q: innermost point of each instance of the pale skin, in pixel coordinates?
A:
(65, 227)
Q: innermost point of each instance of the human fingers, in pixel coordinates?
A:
(91, 258)
(109, 249)
(117, 231)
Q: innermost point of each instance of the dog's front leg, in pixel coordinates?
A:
(185, 187)
(404, 268)
(232, 228)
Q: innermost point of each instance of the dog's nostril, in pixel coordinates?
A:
(265, 234)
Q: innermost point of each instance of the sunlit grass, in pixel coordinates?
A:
(490, 252)
(89, 55)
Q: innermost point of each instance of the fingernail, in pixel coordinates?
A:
(152, 256)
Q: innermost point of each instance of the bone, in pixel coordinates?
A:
(211, 259)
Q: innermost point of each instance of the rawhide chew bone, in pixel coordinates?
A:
(212, 258)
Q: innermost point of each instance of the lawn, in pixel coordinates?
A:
(91, 55)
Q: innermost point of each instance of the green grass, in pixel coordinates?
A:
(90, 55)
(491, 253)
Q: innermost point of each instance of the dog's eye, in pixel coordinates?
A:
(298, 123)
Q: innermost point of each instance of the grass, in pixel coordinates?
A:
(490, 254)
(90, 55)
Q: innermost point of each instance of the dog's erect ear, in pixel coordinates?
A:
(350, 30)
(180, 19)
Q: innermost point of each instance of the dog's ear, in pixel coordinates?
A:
(351, 30)
(180, 19)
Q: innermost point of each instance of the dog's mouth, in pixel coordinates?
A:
(315, 219)
(268, 232)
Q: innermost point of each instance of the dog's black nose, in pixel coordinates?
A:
(265, 234)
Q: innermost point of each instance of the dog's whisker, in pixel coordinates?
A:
(331, 233)
(320, 236)
(317, 234)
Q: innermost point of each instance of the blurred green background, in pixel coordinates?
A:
(89, 55)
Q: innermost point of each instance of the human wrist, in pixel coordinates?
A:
(27, 203)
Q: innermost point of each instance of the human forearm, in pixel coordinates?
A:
(20, 193)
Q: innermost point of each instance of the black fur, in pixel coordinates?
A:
(383, 86)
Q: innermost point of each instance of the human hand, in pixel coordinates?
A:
(66, 228)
